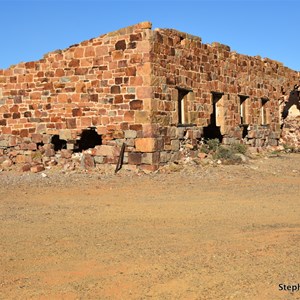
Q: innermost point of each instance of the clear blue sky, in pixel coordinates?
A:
(269, 28)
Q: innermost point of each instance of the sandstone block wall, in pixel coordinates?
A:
(182, 61)
(290, 137)
(125, 87)
(102, 83)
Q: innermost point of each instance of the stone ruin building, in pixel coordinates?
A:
(157, 92)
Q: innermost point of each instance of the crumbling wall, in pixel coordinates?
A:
(182, 62)
(102, 83)
(125, 86)
(290, 137)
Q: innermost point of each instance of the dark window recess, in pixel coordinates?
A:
(182, 106)
(264, 118)
(58, 143)
(243, 113)
(212, 131)
(89, 139)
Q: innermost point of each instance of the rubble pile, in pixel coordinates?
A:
(290, 137)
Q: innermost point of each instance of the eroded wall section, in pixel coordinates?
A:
(102, 85)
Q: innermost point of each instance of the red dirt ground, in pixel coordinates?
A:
(203, 232)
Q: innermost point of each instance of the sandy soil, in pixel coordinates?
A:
(224, 232)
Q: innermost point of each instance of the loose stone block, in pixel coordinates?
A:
(65, 153)
(99, 159)
(49, 152)
(149, 168)
(12, 141)
(21, 159)
(6, 164)
(26, 167)
(87, 162)
(37, 168)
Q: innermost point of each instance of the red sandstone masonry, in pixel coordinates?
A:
(125, 85)
(89, 84)
(181, 60)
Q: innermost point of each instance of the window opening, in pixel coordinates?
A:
(182, 106)
(264, 120)
(243, 113)
(212, 131)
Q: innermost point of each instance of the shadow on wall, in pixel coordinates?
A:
(89, 139)
(294, 99)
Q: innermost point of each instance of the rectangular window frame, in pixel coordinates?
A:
(182, 107)
(216, 98)
(244, 118)
(264, 120)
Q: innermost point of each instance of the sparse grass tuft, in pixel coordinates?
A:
(239, 148)
(232, 154)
